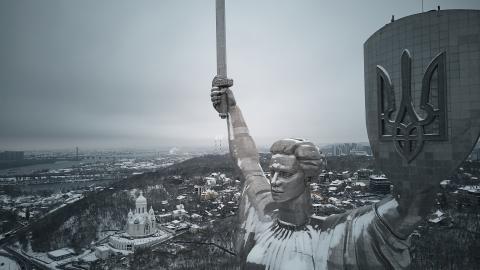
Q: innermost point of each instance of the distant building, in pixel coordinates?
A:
(345, 149)
(364, 174)
(60, 254)
(103, 252)
(359, 186)
(209, 195)
(175, 226)
(196, 217)
(317, 209)
(469, 195)
(164, 218)
(199, 190)
(180, 212)
(210, 181)
(379, 184)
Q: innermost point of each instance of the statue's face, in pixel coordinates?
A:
(286, 178)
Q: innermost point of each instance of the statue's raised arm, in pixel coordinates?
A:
(242, 147)
(244, 153)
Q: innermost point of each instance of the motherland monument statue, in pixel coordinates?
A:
(416, 146)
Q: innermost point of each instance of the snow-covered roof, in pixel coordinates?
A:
(103, 248)
(179, 212)
(61, 252)
(336, 183)
(445, 183)
(437, 217)
(438, 213)
(473, 189)
(436, 220)
(378, 177)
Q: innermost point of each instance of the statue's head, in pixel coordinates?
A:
(294, 163)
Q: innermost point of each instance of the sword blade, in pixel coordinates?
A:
(221, 39)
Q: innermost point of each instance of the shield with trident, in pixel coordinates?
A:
(422, 94)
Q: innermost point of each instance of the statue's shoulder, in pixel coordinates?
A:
(317, 221)
(326, 222)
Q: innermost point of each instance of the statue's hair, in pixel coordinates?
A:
(308, 156)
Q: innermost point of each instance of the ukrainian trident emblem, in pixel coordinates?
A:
(406, 127)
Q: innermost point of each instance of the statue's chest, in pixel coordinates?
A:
(279, 248)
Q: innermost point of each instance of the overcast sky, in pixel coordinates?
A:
(138, 73)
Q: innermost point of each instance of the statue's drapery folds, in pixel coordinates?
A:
(357, 239)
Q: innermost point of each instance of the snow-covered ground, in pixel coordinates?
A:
(8, 264)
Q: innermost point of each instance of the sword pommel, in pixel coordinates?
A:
(222, 82)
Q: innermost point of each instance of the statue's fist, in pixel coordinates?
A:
(222, 98)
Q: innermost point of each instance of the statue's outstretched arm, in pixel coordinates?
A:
(409, 206)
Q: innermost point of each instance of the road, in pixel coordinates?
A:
(21, 259)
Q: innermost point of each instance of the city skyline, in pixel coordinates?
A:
(124, 74)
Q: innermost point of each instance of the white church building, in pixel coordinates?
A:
(141, 228)
(141, 223)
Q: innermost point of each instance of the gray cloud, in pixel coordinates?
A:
(138, 72)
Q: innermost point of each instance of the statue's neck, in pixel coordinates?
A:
(296, 211)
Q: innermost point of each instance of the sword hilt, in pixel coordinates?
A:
(222, 83)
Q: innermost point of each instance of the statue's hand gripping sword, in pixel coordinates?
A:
(221, 80)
